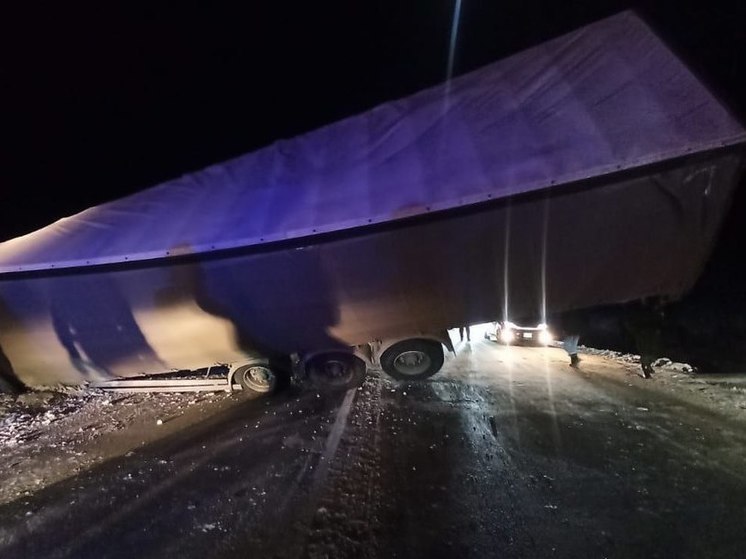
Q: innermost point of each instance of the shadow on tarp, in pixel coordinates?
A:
(9, 382)
(279, 303)
(94, 323)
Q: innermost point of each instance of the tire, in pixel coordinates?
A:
(414, 359)
(256, 378)
(335, 370)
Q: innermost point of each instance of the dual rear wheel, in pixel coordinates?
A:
(335, 369)
(411, 359)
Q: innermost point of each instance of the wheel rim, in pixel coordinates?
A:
(332, 371)
(335, 369)
(259, 378)
(412, 362)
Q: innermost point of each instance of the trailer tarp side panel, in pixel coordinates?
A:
(606, 98)
(593, 169)
(419, 277)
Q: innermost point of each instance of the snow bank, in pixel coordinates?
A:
(661, 364)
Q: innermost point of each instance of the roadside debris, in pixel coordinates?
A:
(663, 363)
(48, 435)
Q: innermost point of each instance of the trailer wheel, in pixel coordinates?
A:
(335, 369)
(258, 379)
(414, 359)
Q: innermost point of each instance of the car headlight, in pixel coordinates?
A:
(506, 335)
(545, 337)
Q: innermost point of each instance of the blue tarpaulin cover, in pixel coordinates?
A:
(605, 98)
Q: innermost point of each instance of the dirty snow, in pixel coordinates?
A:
(49, 435)
(46, 436)
(664, 363)
(723, 393)
(512, 434)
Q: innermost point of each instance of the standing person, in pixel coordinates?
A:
(570, 343)
(461, 333)
(570, 325)
(644, 324)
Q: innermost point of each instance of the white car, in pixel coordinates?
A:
(510, 333)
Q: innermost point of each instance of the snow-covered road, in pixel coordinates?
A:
(506, 453)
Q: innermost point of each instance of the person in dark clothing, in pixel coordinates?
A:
(644, 324)
(570, 324)
(570, 343)
(461, 333)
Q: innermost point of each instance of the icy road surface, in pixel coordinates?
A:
(506, 453)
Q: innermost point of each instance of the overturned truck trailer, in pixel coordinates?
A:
(592, 169)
